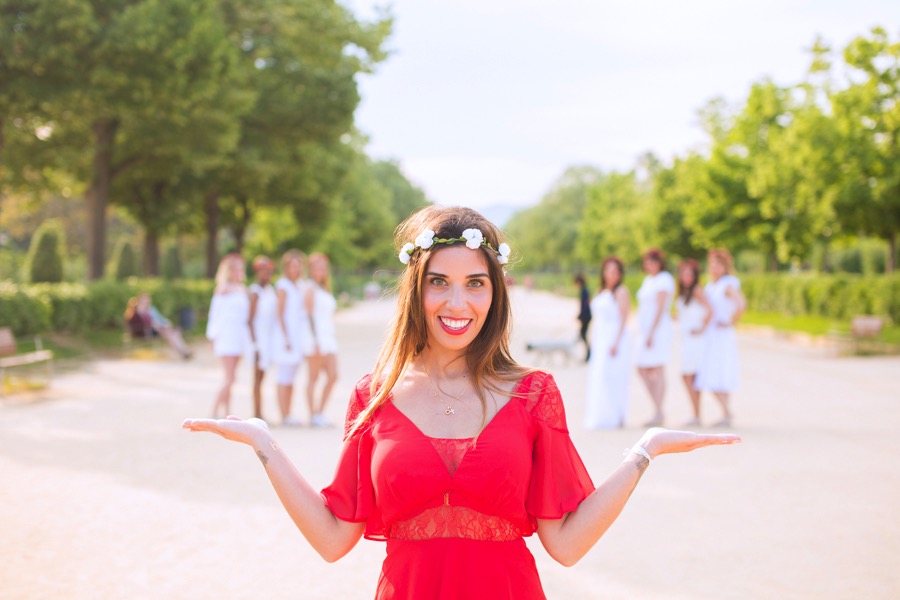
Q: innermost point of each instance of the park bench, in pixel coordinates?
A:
(9, 357)
(866, 326)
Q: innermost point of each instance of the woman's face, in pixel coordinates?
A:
(293, 269)
(264, 272)
(457, 296)
(235, 271)
(611, 275)
(318, 270)
(651, 267)
(686, 276)
(717, 268)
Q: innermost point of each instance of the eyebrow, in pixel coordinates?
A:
(474, 276)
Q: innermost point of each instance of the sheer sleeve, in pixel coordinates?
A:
(351, 494)
(559, 480)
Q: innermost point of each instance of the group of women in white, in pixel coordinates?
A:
(706, 317)
(283, 325)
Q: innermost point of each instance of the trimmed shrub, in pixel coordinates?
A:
(171, 267)
(126, 262)
(45, 255)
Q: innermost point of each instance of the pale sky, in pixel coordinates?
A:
(486, 102)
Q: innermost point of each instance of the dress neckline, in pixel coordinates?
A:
(516, 389)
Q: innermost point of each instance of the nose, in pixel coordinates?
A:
(456, 300)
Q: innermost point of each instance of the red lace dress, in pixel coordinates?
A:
(454, 512)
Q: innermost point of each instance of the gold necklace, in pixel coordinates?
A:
(434, 392)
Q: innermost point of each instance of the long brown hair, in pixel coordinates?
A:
(615, 260)
(687, 293)
(488, 359)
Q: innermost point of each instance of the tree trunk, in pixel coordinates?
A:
(151, 253)
(211, 208)
(2, 141)
(891, 262)
(773, 262)
(239, 229)
(97, 196)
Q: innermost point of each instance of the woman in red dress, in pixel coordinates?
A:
(452, 451)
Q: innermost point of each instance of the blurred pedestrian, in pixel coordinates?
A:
(228, 325)
(287, 342)
(606, 398)
(718, 371)
(320, 338)
(263, 315)
(694, 315)
(654, 300)
(584, 313)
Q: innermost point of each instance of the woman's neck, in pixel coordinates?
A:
(444, 365)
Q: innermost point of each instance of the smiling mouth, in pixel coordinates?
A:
(454, 325)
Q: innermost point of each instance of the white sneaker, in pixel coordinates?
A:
(320, 420)
(291, 421)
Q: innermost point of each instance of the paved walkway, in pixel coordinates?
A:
(103, 496)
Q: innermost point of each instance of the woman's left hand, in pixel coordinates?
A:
(658, 441)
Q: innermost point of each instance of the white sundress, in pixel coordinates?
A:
(264, 320)
(718, 370)
(660, 352)
(324, 306)
(227, 326)
(690, 318)
(294, 322)
(606, 398)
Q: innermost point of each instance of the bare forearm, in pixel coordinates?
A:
(569, 539)
(328, 535)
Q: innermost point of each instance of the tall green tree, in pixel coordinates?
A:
(617, 219)
(866, 108)
(545, 236)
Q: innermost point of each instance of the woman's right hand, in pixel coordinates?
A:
(253, 432)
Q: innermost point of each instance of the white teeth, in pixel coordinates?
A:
(455, 323)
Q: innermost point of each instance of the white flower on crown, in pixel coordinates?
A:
(473, 238)
(503, 250)
(425, 239)
(405, 252)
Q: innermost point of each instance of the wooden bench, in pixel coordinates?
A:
(9, 357)
(866, 326)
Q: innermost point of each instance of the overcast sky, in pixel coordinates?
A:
(486, 102)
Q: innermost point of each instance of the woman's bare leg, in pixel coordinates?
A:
(315, 363)
(330, 365)
(694, 395)
(723, 398)
(258, 376)
(654, 380)
(223, 399)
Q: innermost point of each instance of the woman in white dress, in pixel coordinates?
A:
(694, 314)
(718, 372)
(320, 339)
(263, 313)
(287, 341)
(655, 329)
(606, 401)
(227, 326)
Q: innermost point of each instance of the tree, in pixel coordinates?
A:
(46, 256)
(545, 236)
(617, 219)
(405, 198)
(867, 112)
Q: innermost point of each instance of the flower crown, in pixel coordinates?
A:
(473, 238)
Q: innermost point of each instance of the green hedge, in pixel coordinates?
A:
(833, 296)
(76, 307)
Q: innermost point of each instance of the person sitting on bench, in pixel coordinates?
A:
(143, 320)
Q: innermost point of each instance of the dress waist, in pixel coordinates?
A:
(448, 521)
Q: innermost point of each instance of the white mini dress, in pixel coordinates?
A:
(660, 351)
(227, 326)
(264, 320)
(325, 338)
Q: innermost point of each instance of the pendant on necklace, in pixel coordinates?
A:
(449, 411)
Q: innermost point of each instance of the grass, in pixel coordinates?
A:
(887, 342)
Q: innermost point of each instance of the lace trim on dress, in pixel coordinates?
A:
(448, 521)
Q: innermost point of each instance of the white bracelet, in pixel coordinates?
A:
(638, 449)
